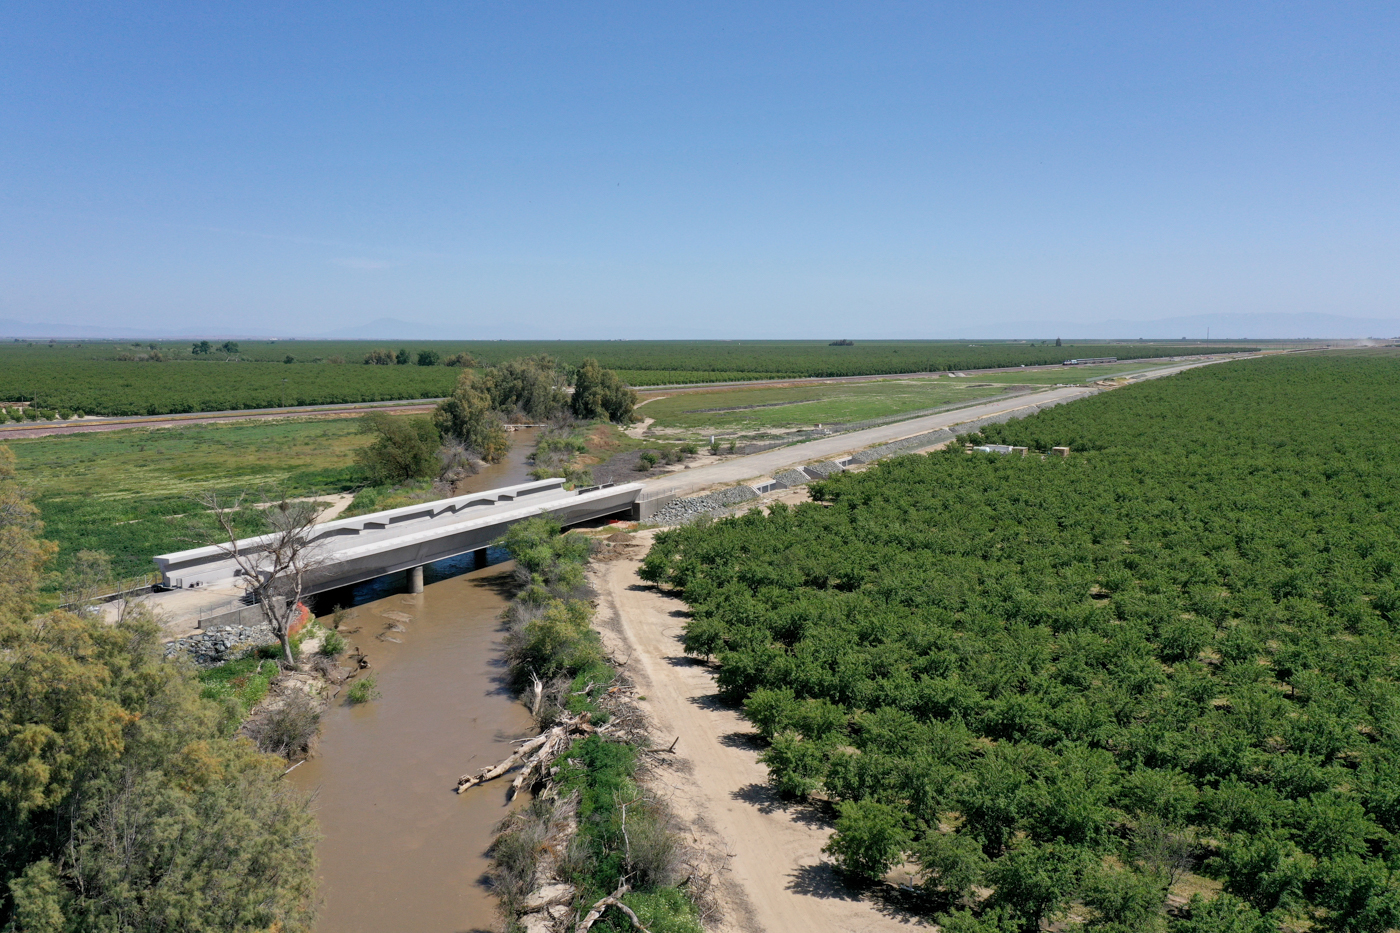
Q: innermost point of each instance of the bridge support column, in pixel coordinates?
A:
(415, 580)
(479, 558)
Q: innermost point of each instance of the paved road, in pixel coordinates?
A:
(771, 461)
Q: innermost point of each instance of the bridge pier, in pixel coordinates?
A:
(415, 580)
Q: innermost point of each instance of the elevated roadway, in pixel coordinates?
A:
(351, 550)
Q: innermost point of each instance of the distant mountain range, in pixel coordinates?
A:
(1193, 327)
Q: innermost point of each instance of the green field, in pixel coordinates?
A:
(1063, 690)
(802, 406)
(790, 407)
(1064, 375)
(91, 376)
(128, 493)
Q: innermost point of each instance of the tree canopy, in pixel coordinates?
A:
(124, 803)
(599, 393)
(1072, 680)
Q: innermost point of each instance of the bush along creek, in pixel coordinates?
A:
(593, 849)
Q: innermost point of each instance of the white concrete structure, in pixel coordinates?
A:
(349, 550)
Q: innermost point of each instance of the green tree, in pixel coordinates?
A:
(1221, 914)
(531, 386)
(469, 416)
(1036, 882)
(403, 358)
(403, 448)
(599, 393)
(870, 838)
(230, 347)
(203, 348)
(951, 864)
(428, 357)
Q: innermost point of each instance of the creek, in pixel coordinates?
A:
(401, 851)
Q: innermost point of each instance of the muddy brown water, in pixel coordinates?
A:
(401, 851)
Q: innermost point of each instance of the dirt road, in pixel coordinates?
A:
(90, 425)
(775, 878)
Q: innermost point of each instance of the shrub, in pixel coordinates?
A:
(404, 449)
(332, 645)
(289, 729)
(558, 641)
(646, 460)
(363, 691)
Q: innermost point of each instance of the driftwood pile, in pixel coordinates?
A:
(535, 754)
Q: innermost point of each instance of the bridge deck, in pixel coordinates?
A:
(349, 550)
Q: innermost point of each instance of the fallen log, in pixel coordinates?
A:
(535, 755)
(603, 904)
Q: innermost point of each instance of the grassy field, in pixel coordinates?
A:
(1064, 375)
(787, 408)
(129, 492)
(802, 406)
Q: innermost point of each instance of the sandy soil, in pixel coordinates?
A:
(640, 428)
(776, 880)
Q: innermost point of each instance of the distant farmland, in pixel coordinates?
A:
(93, 377)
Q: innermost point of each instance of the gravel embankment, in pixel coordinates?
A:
(824, 468)
(791, 478)
(685, 510)
(220, 643)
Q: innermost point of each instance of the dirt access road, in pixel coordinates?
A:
(773, 877)
(90, 425)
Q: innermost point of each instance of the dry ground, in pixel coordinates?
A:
(776, 879)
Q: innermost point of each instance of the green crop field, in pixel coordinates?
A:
(802, 406)
(128, 493)
(1064, 690)
(780, 408)
(107, 378)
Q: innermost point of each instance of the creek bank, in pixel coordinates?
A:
(595, 838)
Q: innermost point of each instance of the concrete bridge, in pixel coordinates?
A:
(351, 550)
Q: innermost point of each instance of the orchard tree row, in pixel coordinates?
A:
(1077, 682)
(157, 378)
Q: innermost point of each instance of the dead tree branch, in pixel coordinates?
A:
(536, 754)
(611, 900)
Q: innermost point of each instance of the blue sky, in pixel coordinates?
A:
(672, 170)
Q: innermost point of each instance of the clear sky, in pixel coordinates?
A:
(518, 169)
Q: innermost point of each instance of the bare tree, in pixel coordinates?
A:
(276, 564)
